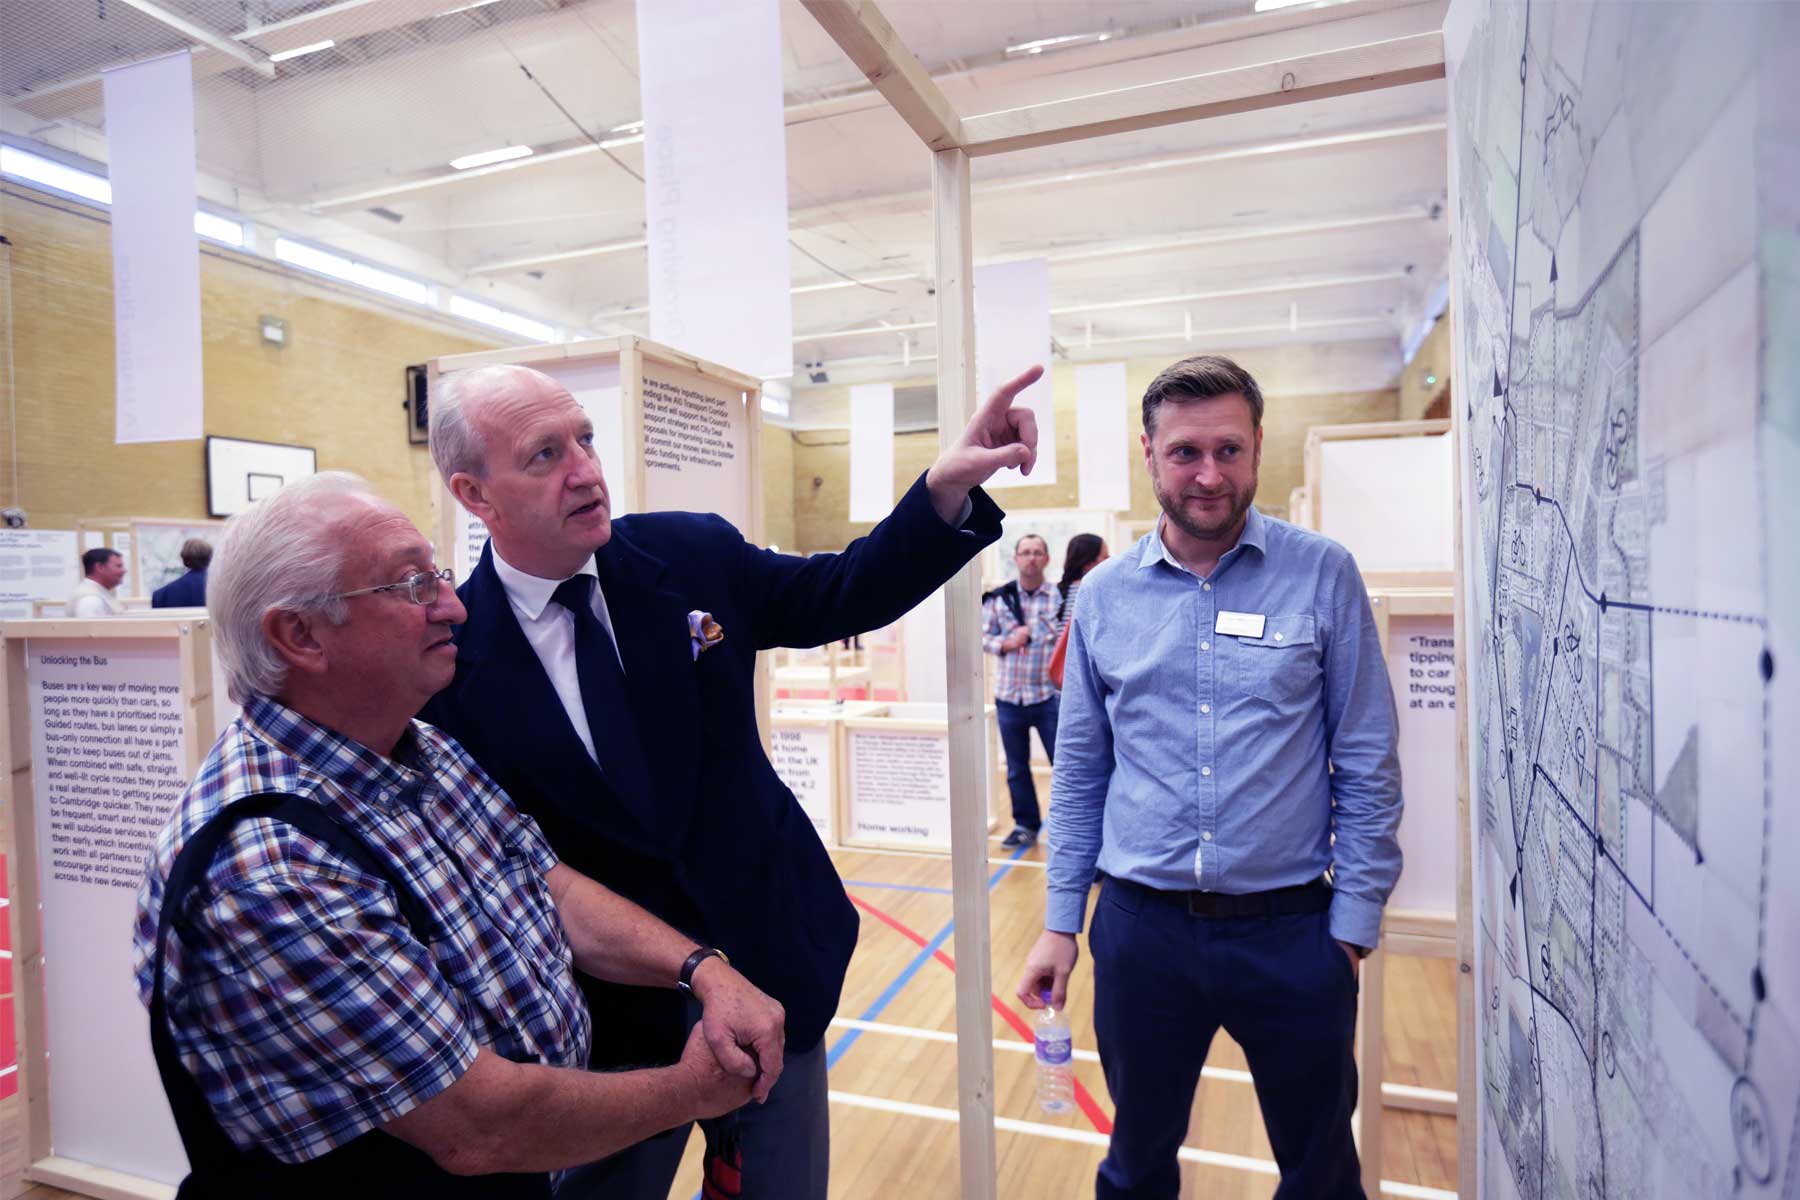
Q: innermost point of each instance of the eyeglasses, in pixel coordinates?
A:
(421, 589)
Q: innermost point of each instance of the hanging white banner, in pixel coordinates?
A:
(715, 187)
(156, 253)
(871, 451)
(1012, 332)
(1103, 462)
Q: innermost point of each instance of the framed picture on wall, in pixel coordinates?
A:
(240, 472)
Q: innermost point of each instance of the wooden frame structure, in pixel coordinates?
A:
(18, 820)
(1250, 63)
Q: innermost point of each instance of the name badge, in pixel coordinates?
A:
(1237, 624)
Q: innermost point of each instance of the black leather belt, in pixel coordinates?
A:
(1276, 902)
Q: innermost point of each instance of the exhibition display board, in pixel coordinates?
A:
(1363, 489)
(37, 566)
(104, 723)
(806, 746)
(897, 774)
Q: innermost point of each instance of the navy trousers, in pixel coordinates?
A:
(1016, 723)
(1166, 981)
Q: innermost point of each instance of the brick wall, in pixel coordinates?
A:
(337, 385)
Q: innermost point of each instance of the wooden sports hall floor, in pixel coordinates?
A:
(893, 1080)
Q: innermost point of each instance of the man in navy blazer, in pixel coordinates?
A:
(189, 591)
(667, 796)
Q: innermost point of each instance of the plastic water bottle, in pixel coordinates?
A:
(1055, 1055)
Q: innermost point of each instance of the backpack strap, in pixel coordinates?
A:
(201, 1136)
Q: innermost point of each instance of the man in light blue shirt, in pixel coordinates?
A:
(1226, 760)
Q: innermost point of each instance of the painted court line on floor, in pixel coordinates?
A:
(1211, 1158)
(1083, 1098)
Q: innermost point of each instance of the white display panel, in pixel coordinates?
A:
(106, 743)
(149, 123)
(1389, 500)
(871, 451)
(36, 564)
(715, 182)
(1103, 458)
(1012, 333)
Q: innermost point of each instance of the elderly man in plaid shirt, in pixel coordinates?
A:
(357, 954)
(1019, 630)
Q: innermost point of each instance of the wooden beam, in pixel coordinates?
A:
(1341, 71)
(871, 43)
(247, 56)
(967, 706)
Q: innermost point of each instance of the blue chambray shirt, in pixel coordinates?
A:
(1189, 760)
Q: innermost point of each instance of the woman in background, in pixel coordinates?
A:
(1086, 551)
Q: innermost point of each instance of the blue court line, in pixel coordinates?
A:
(898, 887)
(912, 968)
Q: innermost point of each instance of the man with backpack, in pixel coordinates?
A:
(1019, 630)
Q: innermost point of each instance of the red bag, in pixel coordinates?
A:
(1060, 653)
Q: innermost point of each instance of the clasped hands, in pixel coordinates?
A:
(737, 1046)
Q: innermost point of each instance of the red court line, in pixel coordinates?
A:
(1083, 1098)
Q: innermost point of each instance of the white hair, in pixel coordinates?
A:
(456, 445)
(281, 553)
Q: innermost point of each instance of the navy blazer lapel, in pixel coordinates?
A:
(650, 626)
(500, 673)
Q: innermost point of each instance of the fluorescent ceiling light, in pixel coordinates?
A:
(488, 158)
(51, 174)
(219, 229)
(298, 51)
(628, 127)
(1272, 5)
(499, 318)
(449, 12)
(1064, 42)
(349, 270)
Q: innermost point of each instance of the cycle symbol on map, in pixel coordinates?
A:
(1581, 746)
(1750, 1126)
(1615, 448)
(1609, 1058)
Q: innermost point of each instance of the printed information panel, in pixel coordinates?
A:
(802, 756)
(696, 444)
(1422, 669)
(106, 730)
(900, 787)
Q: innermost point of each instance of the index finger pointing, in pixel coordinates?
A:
(1003, 397)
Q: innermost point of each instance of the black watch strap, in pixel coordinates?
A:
(686, 981)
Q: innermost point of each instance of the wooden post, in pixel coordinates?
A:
(967, 712)
(1370, 1053)
(1468, 1112)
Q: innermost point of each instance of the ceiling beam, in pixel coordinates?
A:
(198, 33)
(858, 27)
(1340, 71)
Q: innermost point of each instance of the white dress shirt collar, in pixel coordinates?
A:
(531, 593)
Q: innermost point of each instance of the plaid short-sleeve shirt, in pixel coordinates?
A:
(306, 1009)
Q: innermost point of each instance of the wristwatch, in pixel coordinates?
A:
(686, 981)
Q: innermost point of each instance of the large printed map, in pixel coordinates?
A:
(1623, 183)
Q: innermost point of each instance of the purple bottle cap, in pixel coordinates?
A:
(1044, 995)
